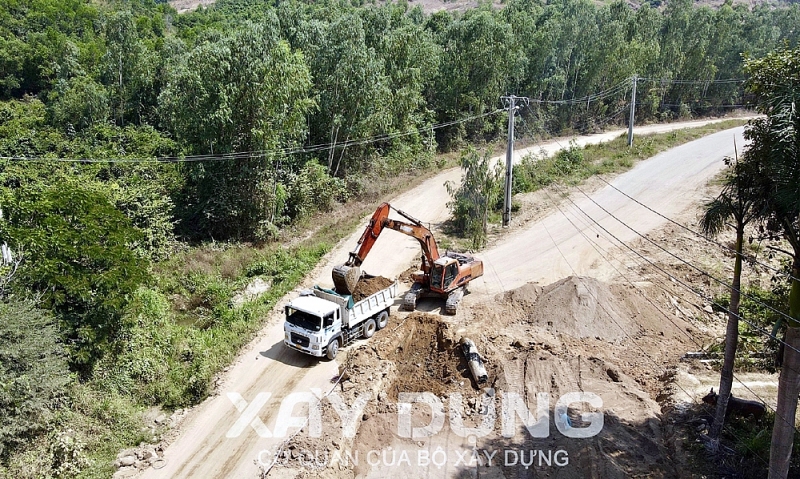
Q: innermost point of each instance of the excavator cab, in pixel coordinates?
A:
(444, 272)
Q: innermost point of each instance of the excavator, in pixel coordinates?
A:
(439, 276)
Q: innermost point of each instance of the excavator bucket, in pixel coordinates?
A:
(345, 278)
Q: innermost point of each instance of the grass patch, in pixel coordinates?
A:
(746, 446)
(167, 358)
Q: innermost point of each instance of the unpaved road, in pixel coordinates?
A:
(666, 182)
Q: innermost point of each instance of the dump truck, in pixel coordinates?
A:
(321, 321)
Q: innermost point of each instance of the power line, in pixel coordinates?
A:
(699, 270)
(289, 151)
(614, 90)
(255, 153)
(679, 81)
(696, 292)
(755, 327)
(633, 341)
(772, 268)
(575, 205)
(709, 107)
(595, 246)
(608, 118)
(618, 272)
(662, 312)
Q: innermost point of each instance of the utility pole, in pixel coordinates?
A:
(633, 107)
(511, 105)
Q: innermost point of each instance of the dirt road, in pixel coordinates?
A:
(224, 436)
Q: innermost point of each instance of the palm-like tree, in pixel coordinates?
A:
(738, 201)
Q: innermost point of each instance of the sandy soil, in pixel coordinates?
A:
(534, 351)
(564, 334)
(368, 286)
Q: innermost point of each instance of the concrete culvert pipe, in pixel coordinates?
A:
(474, 360)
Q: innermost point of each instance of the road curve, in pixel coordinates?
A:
(667, 181)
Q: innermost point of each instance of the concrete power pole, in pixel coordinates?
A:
(511, 105)
(633, 107)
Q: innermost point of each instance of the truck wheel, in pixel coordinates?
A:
(333, 348)
(383, 319)
(369, 328)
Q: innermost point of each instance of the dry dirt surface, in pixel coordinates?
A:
(369, 286)
(530, 348)
(558, 336)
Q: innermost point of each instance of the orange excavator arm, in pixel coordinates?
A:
(369, 236)
(380, 220)
(346, 276)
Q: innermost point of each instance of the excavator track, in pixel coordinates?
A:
(451, 305)
(410, 299)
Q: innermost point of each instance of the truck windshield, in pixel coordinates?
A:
(303, 319)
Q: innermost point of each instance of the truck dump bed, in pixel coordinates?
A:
(354, 313)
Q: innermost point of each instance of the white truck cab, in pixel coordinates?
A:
(311, 323)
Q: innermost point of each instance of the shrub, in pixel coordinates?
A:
(77, 256)
(148, 363)
(313, 189)
(33, 373)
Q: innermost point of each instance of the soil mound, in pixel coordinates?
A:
(524, 296)
(370, 286)
(405, 276)
(579, 307)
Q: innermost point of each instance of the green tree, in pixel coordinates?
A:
(78, 103)
(33, 373)
(411, 61)
(480, 62)
(353, 91)
(739, 199)
(774, 80)
(77, 256)
(144, 194)
(248, 93)
(129, 67)
(476, 196)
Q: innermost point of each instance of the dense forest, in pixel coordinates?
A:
(129, 132)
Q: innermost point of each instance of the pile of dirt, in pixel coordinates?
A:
(405, 276)
(565, 337)
(525, 296)
(368, 286)
(580, 307)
